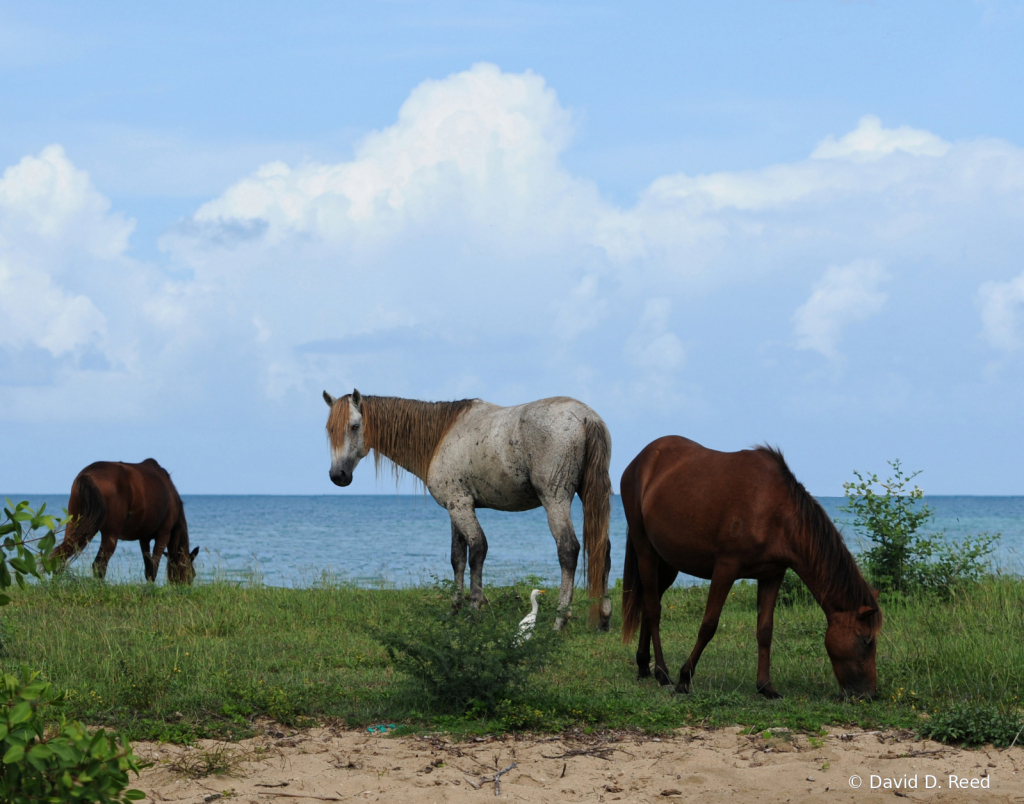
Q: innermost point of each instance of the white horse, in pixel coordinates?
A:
(472, 454)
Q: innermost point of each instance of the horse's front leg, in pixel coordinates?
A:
(721, 583)
(464, 519)
(459, 552)
(767, 593)
(147, 560)
(560, 521)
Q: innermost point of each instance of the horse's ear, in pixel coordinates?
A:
(357, 400)
(328, 399)
(193, 554)
(866, 611)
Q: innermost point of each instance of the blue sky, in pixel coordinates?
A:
(792, 222)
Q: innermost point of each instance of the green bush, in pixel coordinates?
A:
(467, 660)
(891, 515)
(43, 757)
(973, 725)
(46, 758)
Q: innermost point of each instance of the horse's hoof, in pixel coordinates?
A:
(768, 691)
(682, 689)
(604, 625)
(560, 623)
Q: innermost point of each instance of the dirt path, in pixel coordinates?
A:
(284, 766)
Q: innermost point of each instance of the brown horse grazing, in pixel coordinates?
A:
(730, 515)
(132, 502)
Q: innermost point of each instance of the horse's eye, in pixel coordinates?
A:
(355, 427)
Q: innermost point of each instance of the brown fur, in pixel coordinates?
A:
(730, 515)
(129, 502)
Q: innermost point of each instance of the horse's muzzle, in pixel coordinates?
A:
(340, 477)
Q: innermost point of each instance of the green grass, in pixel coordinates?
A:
(178, 664)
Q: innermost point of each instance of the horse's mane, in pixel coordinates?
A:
(839, 578)
(407, 432)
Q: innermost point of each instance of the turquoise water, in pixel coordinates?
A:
(404, 540)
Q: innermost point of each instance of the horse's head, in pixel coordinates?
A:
(182, 569)
(851, 641)
(345, 432)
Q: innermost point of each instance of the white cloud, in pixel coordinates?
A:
(51, 221)
(455, 254)
(68, 291)
(481, 143)
(48, 198)
(1002, 308)
(35, 311)
(870, 142)
(844, 295)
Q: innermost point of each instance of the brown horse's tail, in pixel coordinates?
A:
(596, 494)
(632, 593)
(87, 510)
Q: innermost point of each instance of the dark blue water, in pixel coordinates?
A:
(406, 540)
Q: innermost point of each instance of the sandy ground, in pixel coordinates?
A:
(285, 766)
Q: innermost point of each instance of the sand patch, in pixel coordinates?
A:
(287, 766)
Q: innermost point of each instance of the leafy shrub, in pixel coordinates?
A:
(43, 757)
(44, 761)
(973, 725)
(902, 559)
(21, 521)
(467, 660)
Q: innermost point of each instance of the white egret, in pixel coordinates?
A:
(528, 622)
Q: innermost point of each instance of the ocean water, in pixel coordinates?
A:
(404, 540)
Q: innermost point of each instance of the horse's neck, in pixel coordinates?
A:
(406, 431)
(818, 578)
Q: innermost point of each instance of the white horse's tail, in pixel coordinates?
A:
(595, 492)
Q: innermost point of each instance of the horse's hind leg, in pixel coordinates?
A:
(464, 519)
(108, 544)
(767, 593)
(560, 521)
(459, 553)
(721, 583)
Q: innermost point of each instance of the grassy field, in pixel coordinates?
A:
(178, 664)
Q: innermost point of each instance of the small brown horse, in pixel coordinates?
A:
(730, 515)
(131, 502)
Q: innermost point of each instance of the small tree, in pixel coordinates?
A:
(43, 757)
(891, 514)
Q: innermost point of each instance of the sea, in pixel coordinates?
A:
(395, 541)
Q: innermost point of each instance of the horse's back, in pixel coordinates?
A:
(139, 497)
(697, 505)
(509, 457)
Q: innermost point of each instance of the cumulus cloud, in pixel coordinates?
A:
(37, 312)
(844, 295)
(455, 255)
(50, 219)
(46, 199)
(482, 143)
(76, 309)
(1002, 308)
(458, 232)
